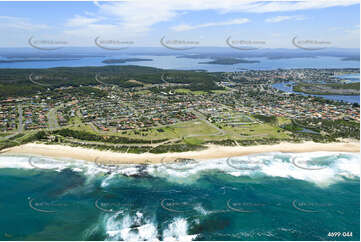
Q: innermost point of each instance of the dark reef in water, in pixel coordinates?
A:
(65, 180)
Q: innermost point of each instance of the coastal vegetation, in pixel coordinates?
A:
(26, 82)
(328, 89)
(83, 135)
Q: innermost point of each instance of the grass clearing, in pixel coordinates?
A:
(220, 91)
(185, 91)
(255, 131)
(194, 128)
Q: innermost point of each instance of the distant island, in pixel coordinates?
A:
(120, 61)
(352, 58)
(228, 61)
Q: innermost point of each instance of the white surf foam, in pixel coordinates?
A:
(130, 228)
(178, 231)
(16, 162)
(138, 228)
(340, 166)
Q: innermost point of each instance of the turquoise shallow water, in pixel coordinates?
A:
(273, 196)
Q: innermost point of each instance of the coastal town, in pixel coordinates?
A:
(247, 107)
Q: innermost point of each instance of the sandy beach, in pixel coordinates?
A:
(212, 152)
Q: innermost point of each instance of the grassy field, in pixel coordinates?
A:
(142, 92)
(193, 128)
(198, 131)
(176, 131)
(220, 91)
(77, 124)
(232, 117)
(283, 121)
(184, 90)
(254, 131)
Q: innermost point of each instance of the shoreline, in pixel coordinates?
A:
(212, 152)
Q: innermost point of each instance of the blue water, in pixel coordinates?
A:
(350, 78)
(272, 196)
(172, 62)
(283, 86)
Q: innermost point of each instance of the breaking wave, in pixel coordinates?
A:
(321, 168)
(138, 227)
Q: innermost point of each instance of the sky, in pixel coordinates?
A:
(272, 24)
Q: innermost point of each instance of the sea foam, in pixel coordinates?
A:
(320, 168)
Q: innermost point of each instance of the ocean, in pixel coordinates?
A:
(270, 196)
(174, 62)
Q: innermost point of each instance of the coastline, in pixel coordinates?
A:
(212, 152)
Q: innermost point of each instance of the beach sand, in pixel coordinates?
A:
(212, 152)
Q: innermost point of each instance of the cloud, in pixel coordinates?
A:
(81, 21)
(133, 19)
(355, 30)
(278, 19)
(145, 13)
(141, 15)
(185, 27)
(15, 23)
